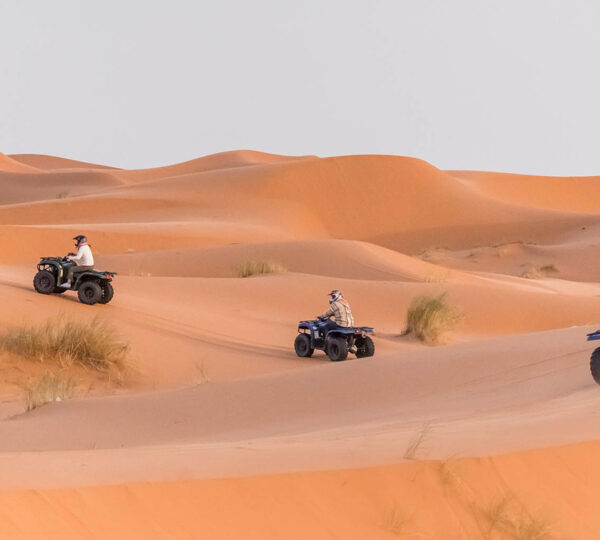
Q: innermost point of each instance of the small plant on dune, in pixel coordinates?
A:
(396, 520)
(62, 195)
(509, 518)
(92, 344)
(529, 527)
(417, 441)
(430, 318)
(449, 477)
(436, 277)
(257, 267)
(532, 272)
(497, 515)
(48, 388)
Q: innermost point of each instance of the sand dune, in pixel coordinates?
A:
(23, 187)
(51, 163)
(452, 498)
(11, 165)
(223, 409)
(567, 194)
(222, 160)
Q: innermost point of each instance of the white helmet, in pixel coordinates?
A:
(335, 295)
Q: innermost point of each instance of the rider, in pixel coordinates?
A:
(84, 259)
(340, 309)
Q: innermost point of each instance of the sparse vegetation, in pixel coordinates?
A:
(448, 474)
(496, 514)
(507, 518)
(430, 318)
(417, 441)
(48, 388)
(92, 344)
(256, 267)
(396, 519)
(62, 195)
(532, 272)
(436, 277)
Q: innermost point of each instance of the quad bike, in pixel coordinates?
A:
(92, 286)
(595, 359)
(336, 342)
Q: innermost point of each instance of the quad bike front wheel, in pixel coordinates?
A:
(302, 346)
(595, 365)
(364, 347)
(337, 349)
(44, 282)
(90, 293)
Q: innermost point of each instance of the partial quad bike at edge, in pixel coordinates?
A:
(595, 358)
(336, 343)
(92, 286)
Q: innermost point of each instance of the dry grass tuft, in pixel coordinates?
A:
(92, 344)
(254, 267)
(48, 388)
(497, 514)
(540, 272)
(448, 474)
(431, 318)
(509, 518)
(396, 520)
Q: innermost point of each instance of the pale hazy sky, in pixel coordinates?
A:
(509, 85)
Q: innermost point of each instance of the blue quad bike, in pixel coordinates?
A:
(336, 342)
(595, 359)
(92, 286)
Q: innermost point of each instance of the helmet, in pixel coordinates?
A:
(80, 239)
(335, 295)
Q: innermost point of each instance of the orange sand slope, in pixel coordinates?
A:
(222, 394)
(497, 497)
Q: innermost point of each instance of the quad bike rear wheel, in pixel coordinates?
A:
(302, 346)
(595, 365)
(107, 292)
(337, 349)
(90, 292)
(44, 282)
(364, 347)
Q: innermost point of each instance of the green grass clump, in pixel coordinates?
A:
(92, 344)
(48, 388)
(257, 267)
(429, 318)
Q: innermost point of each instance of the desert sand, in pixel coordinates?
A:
(226, 433)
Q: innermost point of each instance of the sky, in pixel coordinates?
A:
(501, 85)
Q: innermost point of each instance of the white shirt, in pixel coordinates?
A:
(84, 256)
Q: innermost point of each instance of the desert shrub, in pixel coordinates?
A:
(256, 267)
(538, 272)
(510, 519)
(92, 344)
(396, 519)
(429, 318)
(47, 389)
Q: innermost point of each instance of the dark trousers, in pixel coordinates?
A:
(76, 270)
